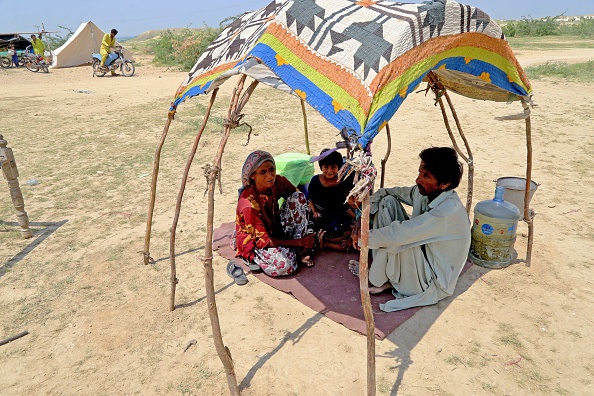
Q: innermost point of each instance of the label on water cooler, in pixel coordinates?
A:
(487, 229)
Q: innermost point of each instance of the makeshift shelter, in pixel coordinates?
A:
(79, 48)
(355, 63)
(20, 43)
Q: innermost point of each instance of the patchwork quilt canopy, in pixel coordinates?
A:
(355, 61)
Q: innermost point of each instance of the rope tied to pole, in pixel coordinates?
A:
(147, 255)
(234, 121)
(365, 175)
(171, 113)
(210, 170)
(437, 88)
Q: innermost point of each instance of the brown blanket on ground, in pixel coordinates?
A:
(328, 288)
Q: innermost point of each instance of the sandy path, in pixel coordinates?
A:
(98, 319)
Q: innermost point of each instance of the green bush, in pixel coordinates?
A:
(182, 49)
(56, 41)
(584, 28)
(547, 26)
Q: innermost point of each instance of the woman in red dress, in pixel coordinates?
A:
(275, 238)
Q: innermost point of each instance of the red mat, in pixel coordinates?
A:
(328, 288)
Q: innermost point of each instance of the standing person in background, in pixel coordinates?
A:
(13, 54)
(37, 44)
(107, 44)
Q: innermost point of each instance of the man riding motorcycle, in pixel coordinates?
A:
(107, 44)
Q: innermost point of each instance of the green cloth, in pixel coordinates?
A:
(295, 167)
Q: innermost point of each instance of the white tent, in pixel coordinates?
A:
(80, 46)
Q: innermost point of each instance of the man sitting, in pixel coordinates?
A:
(421, 257)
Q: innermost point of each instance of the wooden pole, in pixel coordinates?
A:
(385, 159)
(11, 174)
(470, 160)
(365, 298)
(223, 352)
(528, 214)
(173, 278)
(149, 217)
(439, 90)
(305, 127)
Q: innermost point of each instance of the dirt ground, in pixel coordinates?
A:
(98, 319)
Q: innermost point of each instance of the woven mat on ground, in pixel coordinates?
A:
(328, 288)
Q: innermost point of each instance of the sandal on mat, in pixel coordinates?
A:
(252, 266)
(236, 272)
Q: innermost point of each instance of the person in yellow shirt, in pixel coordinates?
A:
(107, 44)
(37, 44)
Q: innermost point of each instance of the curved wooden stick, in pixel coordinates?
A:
(173, 278)
(528, 213)
(149, 217)
(365, 298)
(385, 159)
(223, 352)
(470, 161)
(305, 127)
(436, 85)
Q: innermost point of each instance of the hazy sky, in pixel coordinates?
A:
(134, 17)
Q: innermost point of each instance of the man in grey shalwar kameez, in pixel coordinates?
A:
(420, 258)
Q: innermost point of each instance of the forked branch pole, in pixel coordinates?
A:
(223, 352)
(470, 159)
(528, 214)
(305, 127)
(439, 91)
(149, 217)
(180, 195)
(385, 159)
(365, 298)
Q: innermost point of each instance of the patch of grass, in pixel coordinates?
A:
(115, 253)
(533, 380)
(489, 388)
(509, 336)
(548, 43)
(574, 72)
(511, 339)
(455, 360)
(384, 385)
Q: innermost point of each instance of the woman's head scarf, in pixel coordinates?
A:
(252, 162)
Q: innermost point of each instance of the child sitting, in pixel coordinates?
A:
(327, 195)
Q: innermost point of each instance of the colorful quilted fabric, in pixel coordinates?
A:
(355, 61)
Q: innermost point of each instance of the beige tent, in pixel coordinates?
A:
(79, 48)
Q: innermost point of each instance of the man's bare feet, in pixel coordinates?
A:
(307, 260)
(354, 268)
(320, 239)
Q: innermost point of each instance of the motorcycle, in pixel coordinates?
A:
(33, 62)
(6, 62)
(114, 61)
